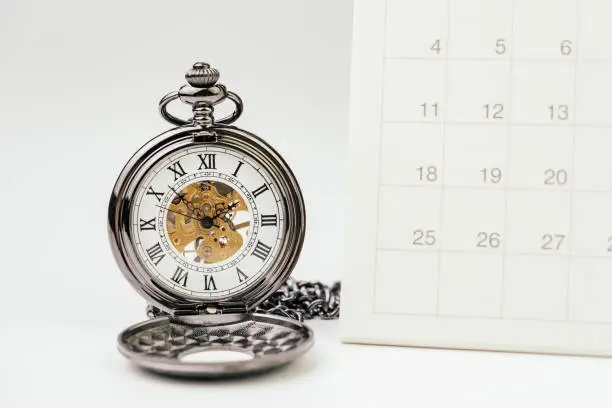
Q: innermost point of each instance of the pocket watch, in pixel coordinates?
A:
(206, 222)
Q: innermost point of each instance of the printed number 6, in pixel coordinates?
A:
(566, 47)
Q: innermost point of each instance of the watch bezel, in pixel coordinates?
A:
(182, 138)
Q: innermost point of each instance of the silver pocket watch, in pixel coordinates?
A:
(207, 222)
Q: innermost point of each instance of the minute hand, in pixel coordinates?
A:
(182, 198)
(178, 212)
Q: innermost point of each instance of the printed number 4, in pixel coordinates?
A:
(435, 47)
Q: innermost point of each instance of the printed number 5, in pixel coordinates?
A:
(500, 46)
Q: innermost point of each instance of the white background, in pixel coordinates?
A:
(79, 84)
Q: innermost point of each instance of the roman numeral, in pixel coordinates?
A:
(180, 276)
(147, 224)
(208, 161)
(209, 283)
(269, 220)
(157, 195)
(156, 254)
(177, 169)
(261, 251)
(235, 173)
(241, 275)
(260, 190)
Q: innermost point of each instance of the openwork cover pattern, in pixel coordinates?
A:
(257, 338)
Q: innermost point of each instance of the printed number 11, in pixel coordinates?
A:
(429, 109)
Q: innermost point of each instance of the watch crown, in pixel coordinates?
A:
(202, 75)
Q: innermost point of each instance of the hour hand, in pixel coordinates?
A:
(235, 227)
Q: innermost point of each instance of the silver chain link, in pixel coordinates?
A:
(298, 300)
(304, 300)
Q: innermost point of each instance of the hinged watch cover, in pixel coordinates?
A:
(206, 221)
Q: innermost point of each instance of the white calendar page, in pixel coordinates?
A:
(481, 175)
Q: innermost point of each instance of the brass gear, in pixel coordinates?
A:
(200, 216)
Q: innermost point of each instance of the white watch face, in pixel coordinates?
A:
(207, 222)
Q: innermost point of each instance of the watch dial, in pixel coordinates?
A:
(207, 222)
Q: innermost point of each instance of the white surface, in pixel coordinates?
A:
(80, 82)
(332, 374)
(487, 230)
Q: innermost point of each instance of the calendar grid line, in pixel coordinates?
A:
(501, 124)
(501, 188)
(571, 241)
(508, 158)
(497, 318)
(498, 253)
(443, 146)
(502, 59)
(380, 140)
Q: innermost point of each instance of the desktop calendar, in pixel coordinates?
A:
(480, 172)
